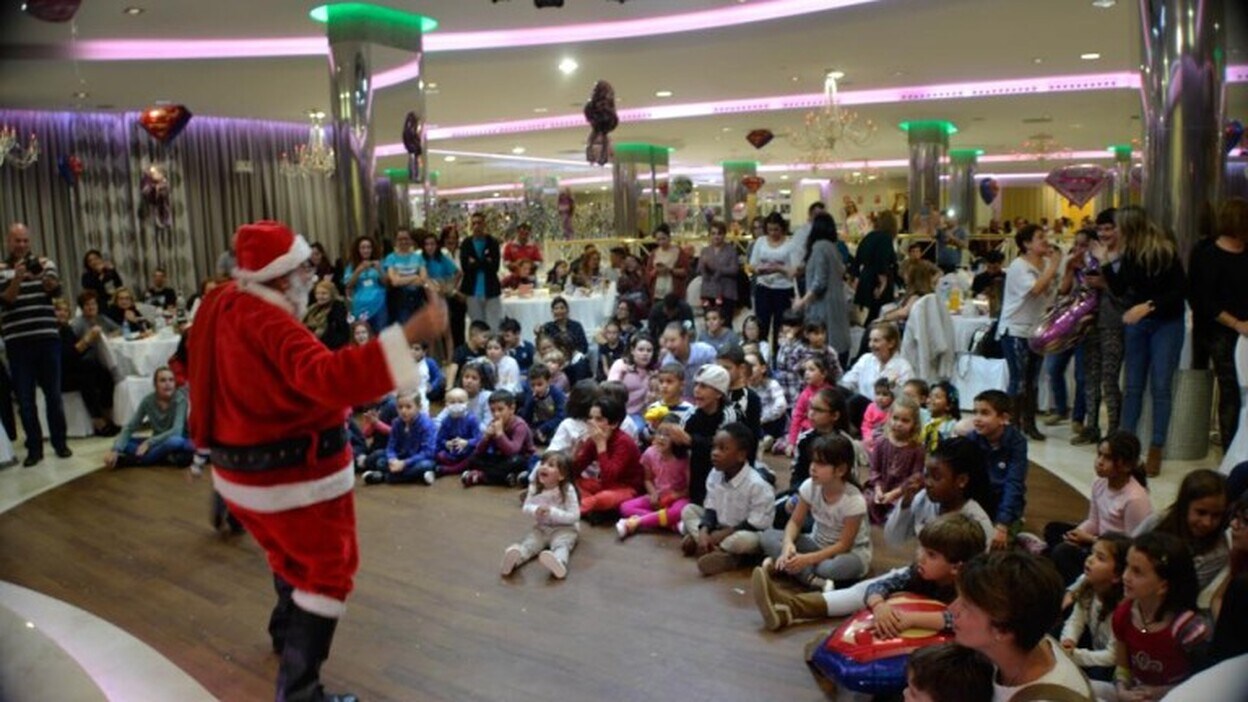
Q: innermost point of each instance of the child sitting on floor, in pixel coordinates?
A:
(551, 502)
(506, 370)
(896, 459)
(723, 531)
(458, 434)
(942, 406)
(1005, 454)
(1095, 599)
(544, 405)
(165, 412)
(666, 473)
(948, 673)
(517, 348)
(409, 455)
(575, 427)
(607, 464)
(876, 415)
(505, 450)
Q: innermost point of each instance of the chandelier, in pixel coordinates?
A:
(1042, 147)
(312, 158)
(830, 126)
(13, 153)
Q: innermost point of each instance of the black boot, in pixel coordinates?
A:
(279, 620)
(1029, 403)
(308, 638)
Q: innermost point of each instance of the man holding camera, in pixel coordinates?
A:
(28, 284)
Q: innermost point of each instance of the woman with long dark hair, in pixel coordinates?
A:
(824, 300)
(877, 270)
(362, 279)
(456, 306)
(774, 259)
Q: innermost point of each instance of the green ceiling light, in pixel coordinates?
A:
(397, 175)
(740, 164)
(965, 153)
(635, 152)
(930, 124)
(1120, 151)
(355, 11)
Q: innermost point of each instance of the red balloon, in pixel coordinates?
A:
(165, 122)
(52, 10)
(759, 138)
(752, 183)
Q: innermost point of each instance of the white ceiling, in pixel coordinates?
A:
(889, 43)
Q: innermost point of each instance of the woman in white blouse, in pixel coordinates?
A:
(882, 360)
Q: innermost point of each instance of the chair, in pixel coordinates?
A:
(77, 419)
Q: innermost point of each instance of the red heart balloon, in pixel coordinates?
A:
(1078, 183)
(52, 10)
(752, 183)
(165, 122)
(759, 138)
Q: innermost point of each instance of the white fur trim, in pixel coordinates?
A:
(398, 355)
(269, 295)
(322, 605)
(268, 499)
(298, 253)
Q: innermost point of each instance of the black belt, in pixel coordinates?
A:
(287, 453)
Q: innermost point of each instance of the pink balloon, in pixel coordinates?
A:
(1065, 325)
(1078, 183)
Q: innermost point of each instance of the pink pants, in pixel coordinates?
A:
(641, 515)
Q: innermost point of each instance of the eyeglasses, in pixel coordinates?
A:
(817, 408)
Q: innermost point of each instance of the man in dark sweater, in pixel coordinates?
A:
(28, 325)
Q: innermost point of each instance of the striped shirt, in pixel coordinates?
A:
(30, 317)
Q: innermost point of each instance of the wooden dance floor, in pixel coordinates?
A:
(430, 619)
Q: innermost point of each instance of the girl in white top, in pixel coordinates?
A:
(575, 425)
(752, 333)
(883, 341)
(1095, 599)
(556, 512)
(506, 369)
(839, 547)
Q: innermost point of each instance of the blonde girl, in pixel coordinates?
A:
(895, 459)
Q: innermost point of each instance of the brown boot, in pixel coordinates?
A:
(780, 609)
(1152, 465)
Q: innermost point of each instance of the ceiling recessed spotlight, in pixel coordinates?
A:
(1037, 60)
(1104, 4)
(1090, 56)
(540, 110)
(602, 187)
(784, 177)
(449, 159)
(568, 66)
(134, 11)
(793, 78)
(518, 150)
(82, 95)
(494, 194)
(725, 129)
(431, 85)
(663, 93)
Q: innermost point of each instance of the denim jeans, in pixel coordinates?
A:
(1024, 365)
(1152, 355)
(38, 362)
(161, 452)
(1055, 367)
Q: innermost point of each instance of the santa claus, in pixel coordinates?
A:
(270, 402)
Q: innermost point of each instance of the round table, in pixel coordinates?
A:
(139, 357)
(534, 311)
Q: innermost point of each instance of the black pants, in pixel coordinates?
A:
(7, 416)
(498, 469)
(95, 383)
(1222, 354)
(1067, 557)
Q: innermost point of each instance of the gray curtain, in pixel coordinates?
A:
(221, 173)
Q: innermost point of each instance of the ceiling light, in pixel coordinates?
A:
(431, 86)
(1090, 56)
(494, 194)
(1037, 60)
(725, 129)
(568, 66)
(540, 110)
(784, 177)
(836, 75)
(82, 95)
(1104, 4)
(603, 187)
(518, 150)
(663, 93)
(448, 159)
(134, 11)
(793, 78)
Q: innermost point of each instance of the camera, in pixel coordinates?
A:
(33, 266)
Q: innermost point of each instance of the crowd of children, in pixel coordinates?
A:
(664, 447)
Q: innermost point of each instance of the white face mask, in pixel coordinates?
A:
(457, 409)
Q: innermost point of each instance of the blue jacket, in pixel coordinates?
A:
(437, 381)
(523, 354)
(465, 427)
(548, 426)
(1007, 472)
(414, 443)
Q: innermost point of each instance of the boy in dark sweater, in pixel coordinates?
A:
(409, 456)
(544, 405)
(506, 447)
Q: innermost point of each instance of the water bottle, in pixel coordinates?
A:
(125, 330)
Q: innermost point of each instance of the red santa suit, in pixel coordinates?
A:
(270, 399)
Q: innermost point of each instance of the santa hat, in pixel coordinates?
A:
(267, 250)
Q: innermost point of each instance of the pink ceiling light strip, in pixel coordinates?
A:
(917, 93)
(147, 50)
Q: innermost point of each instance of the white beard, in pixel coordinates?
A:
(300, 286)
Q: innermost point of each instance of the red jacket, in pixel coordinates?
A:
(619, 466)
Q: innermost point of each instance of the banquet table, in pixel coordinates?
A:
(534, 311)
(139, 357)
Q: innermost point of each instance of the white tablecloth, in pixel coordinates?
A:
(128, 393)
(533, 312)
(964, 329)
(975, 374)
(139, 357)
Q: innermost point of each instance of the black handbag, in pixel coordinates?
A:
(984, 342)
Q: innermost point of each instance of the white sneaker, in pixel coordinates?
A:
(429, 477)
(511, 559)
(553, 564)
(621, 528)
